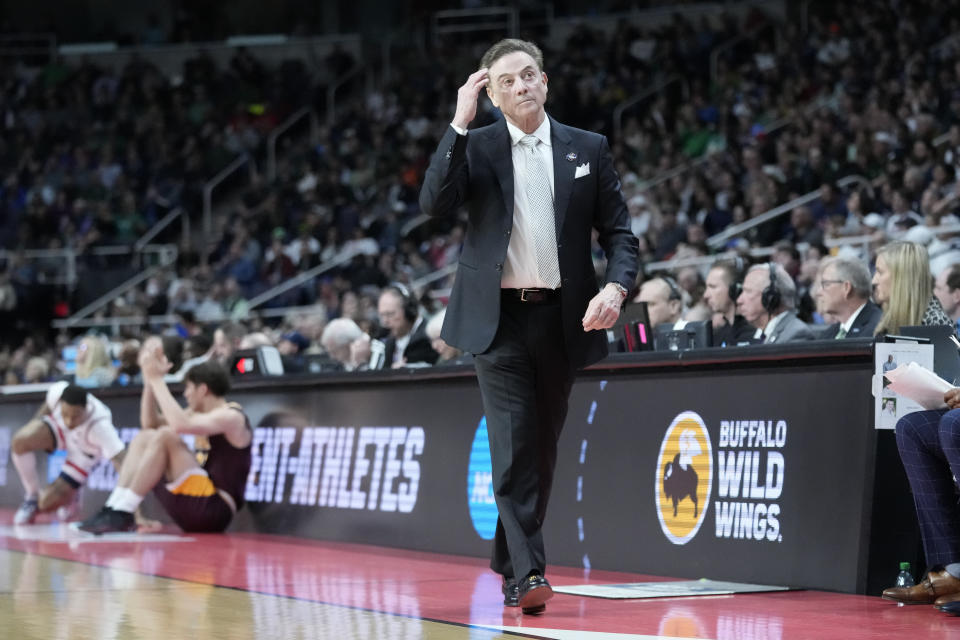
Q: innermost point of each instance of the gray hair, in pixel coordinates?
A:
(785, 284)
(340, 333)
(508, 46)
(853, 271)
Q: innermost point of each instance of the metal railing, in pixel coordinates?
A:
(162, 224)
(640, 97)
(863, 240)
(167, 257)
(433, 276)
(702, 262)
(28, 45)
(413, 223)
(116, 322)
(295, 117)
(212, 184)
(332, 92)
(70, 255)
(502, 19)
(300, 278)
(719, 239)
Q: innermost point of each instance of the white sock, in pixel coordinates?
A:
(123, 499)
(26, 464)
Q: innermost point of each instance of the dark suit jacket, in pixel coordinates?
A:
(476, 171)
(867, 320)
(418, 349)
(789, 329)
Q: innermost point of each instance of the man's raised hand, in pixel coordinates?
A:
(467, 98)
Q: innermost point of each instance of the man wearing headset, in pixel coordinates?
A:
(408, 342)
(664, 300)
(730, 329)
(767, 301)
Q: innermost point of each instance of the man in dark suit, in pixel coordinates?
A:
(407, 343)
(767, 301)
(525, 300)
(843, 291)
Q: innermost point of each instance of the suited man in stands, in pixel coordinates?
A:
(843, 290)
(525, 300)
(767, 301)
(407, 343)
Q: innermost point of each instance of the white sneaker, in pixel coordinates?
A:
(27, 512)
(70, 511)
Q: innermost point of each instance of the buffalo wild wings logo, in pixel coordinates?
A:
(684, 477)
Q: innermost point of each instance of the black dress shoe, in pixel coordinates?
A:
(511, 593)
(533, 592)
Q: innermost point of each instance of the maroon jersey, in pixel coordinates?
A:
(227, 465)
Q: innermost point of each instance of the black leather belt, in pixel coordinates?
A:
(532, 296)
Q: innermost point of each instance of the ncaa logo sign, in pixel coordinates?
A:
(684, 477)
(483, 507)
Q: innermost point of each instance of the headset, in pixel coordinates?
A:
(770, 297)
(409, 304)
(675, 293)
(736, 283)
(734, 291)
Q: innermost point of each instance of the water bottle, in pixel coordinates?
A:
(905, 578)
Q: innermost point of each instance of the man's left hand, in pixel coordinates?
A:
(604, 309)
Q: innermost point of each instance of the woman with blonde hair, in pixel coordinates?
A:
(93, 363)
(903, 287)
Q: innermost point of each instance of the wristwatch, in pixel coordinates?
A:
(622, 289)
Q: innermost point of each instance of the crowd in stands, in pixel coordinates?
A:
(95, 156)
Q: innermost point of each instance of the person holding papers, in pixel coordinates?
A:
(929, 445)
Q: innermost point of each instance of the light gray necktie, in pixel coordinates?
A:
(841, 334)
(541, 212)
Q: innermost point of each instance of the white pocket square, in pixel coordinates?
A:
(582, 170)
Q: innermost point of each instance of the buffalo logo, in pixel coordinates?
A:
(684, 477)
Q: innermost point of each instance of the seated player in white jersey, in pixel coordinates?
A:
(200, 490)
(72, 420)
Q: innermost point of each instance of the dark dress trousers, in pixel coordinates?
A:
(526, 353)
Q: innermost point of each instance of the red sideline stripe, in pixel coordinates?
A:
(79, 470)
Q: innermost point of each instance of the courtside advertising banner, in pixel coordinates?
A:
(698, 474)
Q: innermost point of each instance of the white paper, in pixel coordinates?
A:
(889, 405)
(665, 589)
(919, 384)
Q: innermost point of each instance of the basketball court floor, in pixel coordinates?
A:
(56, 583)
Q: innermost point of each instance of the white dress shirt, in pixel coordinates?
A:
(846, 326)
(520, 266)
